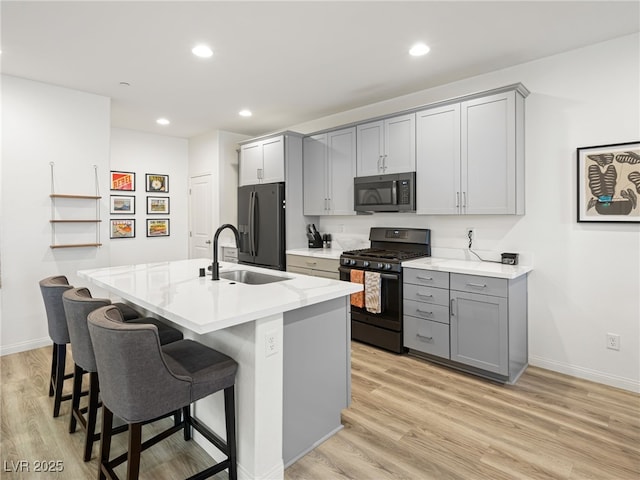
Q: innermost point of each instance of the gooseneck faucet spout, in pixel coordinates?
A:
(215, 267)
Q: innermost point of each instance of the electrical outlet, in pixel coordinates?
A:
(613, 341)
(271, 344)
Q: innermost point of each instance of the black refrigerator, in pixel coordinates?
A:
(261, 225)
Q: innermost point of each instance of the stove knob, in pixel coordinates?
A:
(345, 261)
(352, 262)
(380, 266)
(365, 264)
(387, 266)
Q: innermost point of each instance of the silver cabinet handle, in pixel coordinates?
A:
(311, 263)
(429, 279)
(425, 338)
(477, 285)
(384, 163)
(457, 199)
(208, 242)
(379, 161)
(451, 307)
(424, 295)
(424, 311)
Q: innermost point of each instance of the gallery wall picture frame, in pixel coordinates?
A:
(609, 183)
(158, 227)
(157, 205)
(157, 183)
(122, 228)
(123, 181)
(123, 204)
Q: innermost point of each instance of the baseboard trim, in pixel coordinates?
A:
(586, 374)
(24, 346)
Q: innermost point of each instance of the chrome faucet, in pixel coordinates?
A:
(215, 267)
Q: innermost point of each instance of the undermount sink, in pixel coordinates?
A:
(250, 278)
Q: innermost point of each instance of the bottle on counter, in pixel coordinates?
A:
(326, 240)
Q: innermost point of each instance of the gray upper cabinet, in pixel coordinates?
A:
(387, 146)
(470, 156)
(262, 161)
(329, 165)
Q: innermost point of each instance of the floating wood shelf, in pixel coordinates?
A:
(77, 245)
(67, 208)
(62, 195)
(75, 221)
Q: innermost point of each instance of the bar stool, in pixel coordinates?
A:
(78, 303)
(52, 289)
(142, 380)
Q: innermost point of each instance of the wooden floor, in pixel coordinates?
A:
(409, 420)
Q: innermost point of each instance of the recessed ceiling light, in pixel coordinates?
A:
(163, 121)
(419, 49)
(202, 51)
(245, 113)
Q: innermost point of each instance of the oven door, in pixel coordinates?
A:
(390, 317)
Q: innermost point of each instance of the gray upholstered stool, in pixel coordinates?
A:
(52, 289)
(78, 303)
(142, 380)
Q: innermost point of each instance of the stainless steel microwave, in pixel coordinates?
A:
(385, 193)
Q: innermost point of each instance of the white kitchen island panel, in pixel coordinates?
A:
(261, 327)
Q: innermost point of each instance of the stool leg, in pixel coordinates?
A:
(230, 421)
(92, 414)
(186, 414)
(52, 378)
(135, 447)
(75, 397)
(61, 355)
(105, 441)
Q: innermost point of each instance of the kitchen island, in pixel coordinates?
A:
(291, 339)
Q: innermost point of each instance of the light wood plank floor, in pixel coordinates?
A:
(409, 420)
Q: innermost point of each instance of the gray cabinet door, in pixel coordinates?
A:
(479, 331)
(314, 174)
(438, 160)
(489, 155)
(399, 144)
(341, 170)
(250, 164)
(370, 148)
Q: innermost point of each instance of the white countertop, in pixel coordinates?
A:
(174, 291)
(471, 267)
(332, 253)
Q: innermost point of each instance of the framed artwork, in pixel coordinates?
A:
(125, 181)
(125, 228)
(125, 204)
(157, 205)
(157, 227)
(609, 183)
(157, 183)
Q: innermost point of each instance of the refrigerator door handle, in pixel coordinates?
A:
(254, 225)
(251, 223)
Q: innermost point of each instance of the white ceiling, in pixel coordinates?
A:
(289, 62)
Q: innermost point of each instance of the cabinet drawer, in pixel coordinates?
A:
(326, 264)
(477, 284)
(426, 336)
(439, 296)
(428, 311)
(429, 278)
(304, 271)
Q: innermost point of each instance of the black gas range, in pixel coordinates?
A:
(389, 248)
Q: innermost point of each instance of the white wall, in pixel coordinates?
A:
(214, 153)
(143, 153)
(587, 276)
(40, 124)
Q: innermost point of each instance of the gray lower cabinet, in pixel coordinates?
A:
(481, 328)
(426, 312)
(314, 266)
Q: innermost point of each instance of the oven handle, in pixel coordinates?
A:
(386, 276)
